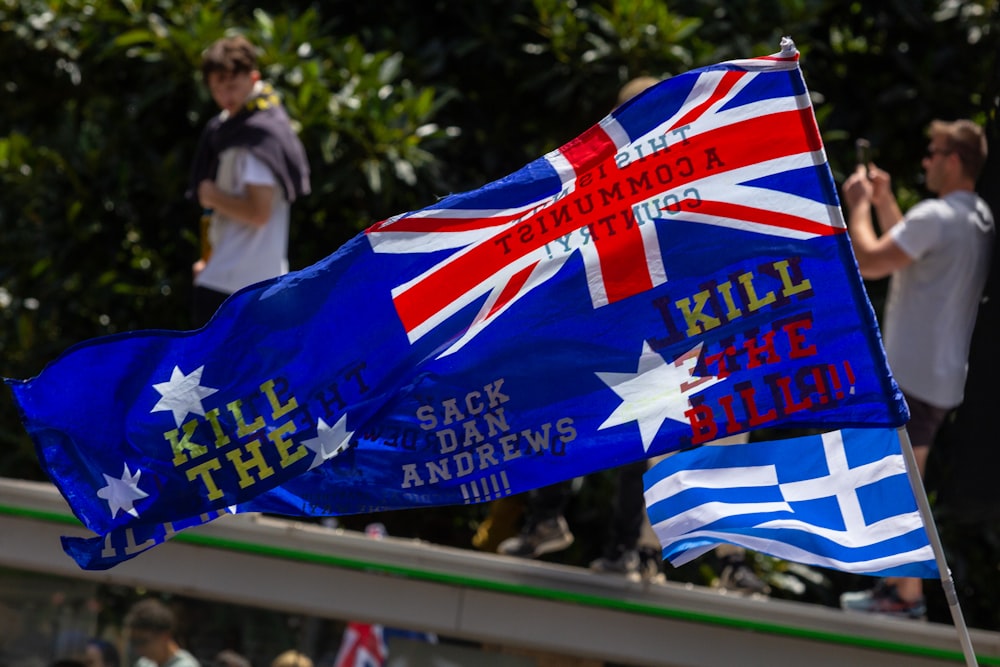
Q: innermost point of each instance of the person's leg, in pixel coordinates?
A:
(205, 303)
(925, 422)
(621, 554)
(629, 505)
(549, 502)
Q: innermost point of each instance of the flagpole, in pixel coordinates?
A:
(917, 484)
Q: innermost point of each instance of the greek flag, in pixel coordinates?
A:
(840, 500)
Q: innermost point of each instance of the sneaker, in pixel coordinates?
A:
(883, 599)
(738, 576)
(651, 565)
(538, 539)
(633, 564)
(626, 562)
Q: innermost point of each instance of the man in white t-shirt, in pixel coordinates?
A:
(249, 168)
(938, 256)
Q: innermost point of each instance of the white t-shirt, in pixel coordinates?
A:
(243, 254)
(180, 658)
(932, 303)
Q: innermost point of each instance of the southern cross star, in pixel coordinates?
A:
(121, 494)
(657, 391)
(329, 440)
(182, 394)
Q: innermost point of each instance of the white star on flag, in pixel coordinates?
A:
(329, 440)
(657, 391)
(182, 394)
(121, 494)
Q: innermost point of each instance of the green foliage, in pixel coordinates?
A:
(98, 237)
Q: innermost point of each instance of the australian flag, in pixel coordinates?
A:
(677, 273)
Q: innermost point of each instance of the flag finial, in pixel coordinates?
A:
(788, 46)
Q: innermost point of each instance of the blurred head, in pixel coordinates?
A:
(956, 152)
(292, 658)
(149, 626)
(229, 67)
(634, 87)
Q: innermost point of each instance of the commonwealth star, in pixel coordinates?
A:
(656, 392)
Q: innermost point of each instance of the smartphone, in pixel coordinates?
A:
(863, 151)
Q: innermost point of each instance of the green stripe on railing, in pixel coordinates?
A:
(535, 592)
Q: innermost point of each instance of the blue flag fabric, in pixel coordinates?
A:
(677, 273)
(840, 500)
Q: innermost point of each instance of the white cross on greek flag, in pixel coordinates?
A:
(840, 500)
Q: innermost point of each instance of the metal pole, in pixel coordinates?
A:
(917, 484)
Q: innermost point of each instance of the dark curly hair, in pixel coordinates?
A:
(150, 614)
(229, 55)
